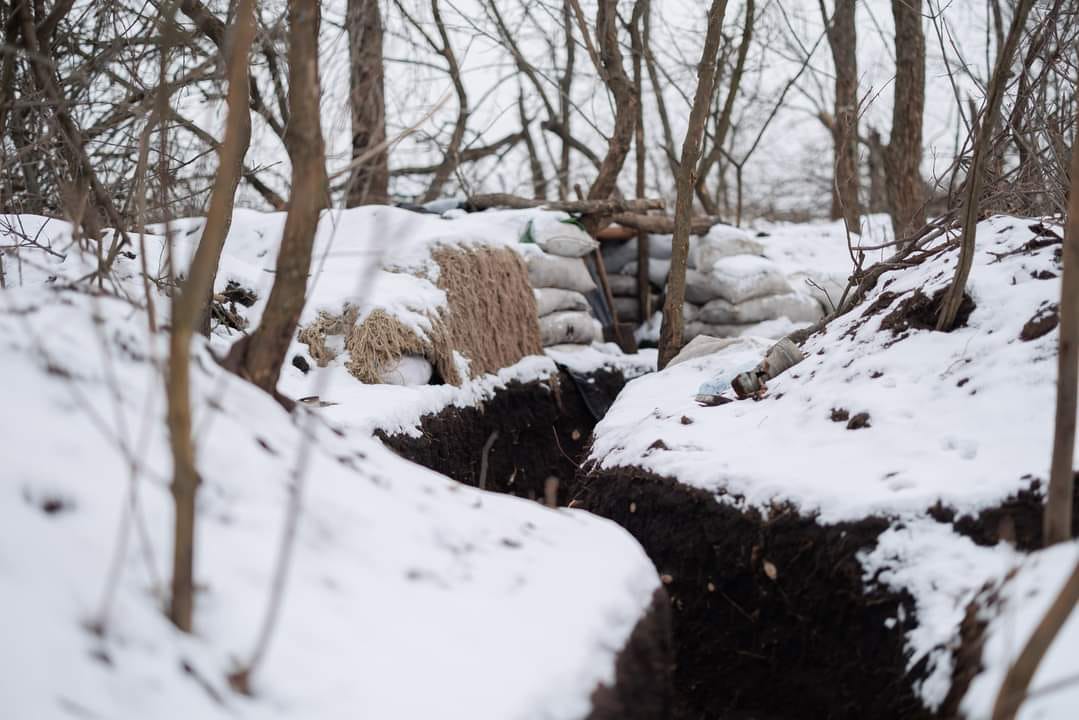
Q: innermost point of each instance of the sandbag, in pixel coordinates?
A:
(826, 288)
(549, 300)
(657, 271)
(796, 307)
(736, 278)
(551, 271)
(616, 255)
(702, 346)
(724, 241)
(661, 247)
(622, 285)
(563, 237)
(408, 370)
(628, 309)
(567, 327)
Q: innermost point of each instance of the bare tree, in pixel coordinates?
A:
(903, 155)
(260, 356)
(188, 305)
(606, 54)
(671, 330)
(369, 182)
(1058, 504)
(976, 174)
(842, 38)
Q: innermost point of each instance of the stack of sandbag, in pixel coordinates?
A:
(554, 249)
(741, 292)
(620, 260)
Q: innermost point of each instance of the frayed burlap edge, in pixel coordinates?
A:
(489, 318)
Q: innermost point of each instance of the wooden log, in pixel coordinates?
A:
(582, 207)
(662, 224)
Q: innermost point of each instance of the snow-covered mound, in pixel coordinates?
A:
(962, 418)
(407, 595)
(885, 417)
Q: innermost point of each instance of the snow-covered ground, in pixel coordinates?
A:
(963, 419)
(407, 595)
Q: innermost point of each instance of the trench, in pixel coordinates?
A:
(764, 618)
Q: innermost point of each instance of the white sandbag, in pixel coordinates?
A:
(724, 241)
(736, 278)
(628, 309)
(549, 300)
(690, 312)
(796, 307)
(551, 271)
(826, 288)
(563, 237)
(622, 285)
(657, 271)
(772, 329)
(567, 327)
(616, 254)
(408, 370)
(702, 346)
(661, 247)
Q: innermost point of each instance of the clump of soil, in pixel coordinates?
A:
(859, 421)
(919, 312)
(771, 616)
(1044, 321)
(643, 670)
(539, 431)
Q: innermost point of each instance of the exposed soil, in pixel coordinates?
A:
(1017, 520)
(643, 671)
(771, 617)
(542, 428)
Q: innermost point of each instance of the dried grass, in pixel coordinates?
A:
(489, 318)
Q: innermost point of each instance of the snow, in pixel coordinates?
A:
(963, 419)
(1019, 604)
(920, 391)
(408, 595)
(942, 571)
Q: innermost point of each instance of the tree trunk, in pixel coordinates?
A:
(1058, 506)
(976, 174)
(903, 156)
(369, 183)
(671, 331)
(263, 352)
(187, 307)
(842, 39)
(625, 100)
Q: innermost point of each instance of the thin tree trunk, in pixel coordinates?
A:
(644, 289)
(723, 122)
(903, 156)
(613, 71)
(842, 38)
(565, 88)
(187, 307)
(369, 183)
(976, 176)
(263, 352)
(1013, 689)
(671, 331)
(1058, 505)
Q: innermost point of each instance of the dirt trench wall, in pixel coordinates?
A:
(771, 617)
(542, 428)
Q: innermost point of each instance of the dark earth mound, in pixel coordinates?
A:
(529, 432)
(771, 617)
(642, 688)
